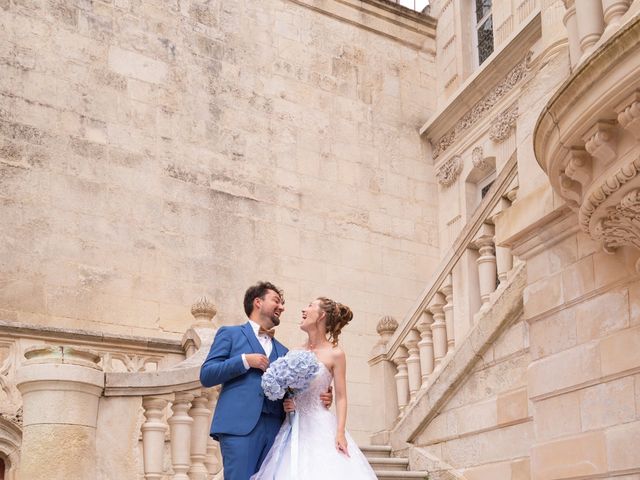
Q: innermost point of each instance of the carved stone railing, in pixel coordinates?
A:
(410, 356)
(591, 22)
(587, 138)
(67, 395)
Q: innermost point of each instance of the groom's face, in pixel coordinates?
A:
(271, 307)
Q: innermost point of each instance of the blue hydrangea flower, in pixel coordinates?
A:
(292, 373)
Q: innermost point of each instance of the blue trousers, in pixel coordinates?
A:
(242, 455)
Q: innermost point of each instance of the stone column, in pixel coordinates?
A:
(438, 328)
(487, 273)
(504, 263)
(383, 383)
(571, 22)
(413, 362)
(402, 378)
(199, 434)
(180, 424)
(61, 388)
(153, 431)
(426, 346)
(613, 10)
(590, 19)
(447, 291)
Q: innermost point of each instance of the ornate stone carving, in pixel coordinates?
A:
(9, 395)
(501, 127)
(480, 109)
(629, 115)
(607, 188)
(448, 172)
(622, 224)
(203, 310)
(600, 141)
(387, 324)
(579, 166)
(118, 362)
(477, 157)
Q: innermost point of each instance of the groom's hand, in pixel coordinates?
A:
(327, 397)
(257, 360)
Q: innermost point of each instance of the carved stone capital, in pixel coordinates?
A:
(501, 127)
(448, 172)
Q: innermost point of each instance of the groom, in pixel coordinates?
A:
(245, 422)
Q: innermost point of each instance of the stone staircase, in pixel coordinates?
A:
(387, 467)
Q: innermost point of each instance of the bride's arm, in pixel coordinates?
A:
(340, 380)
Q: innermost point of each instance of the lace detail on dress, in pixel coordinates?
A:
(309, 400)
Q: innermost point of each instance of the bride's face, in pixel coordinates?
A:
(310, 315)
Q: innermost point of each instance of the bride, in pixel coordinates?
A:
(318, 447)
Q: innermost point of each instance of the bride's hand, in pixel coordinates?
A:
(341, 444)
(289, 405)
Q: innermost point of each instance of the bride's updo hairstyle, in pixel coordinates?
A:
(337, 315)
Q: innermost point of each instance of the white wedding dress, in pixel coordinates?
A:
(310, 453)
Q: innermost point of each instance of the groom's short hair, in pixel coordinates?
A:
(258, 290)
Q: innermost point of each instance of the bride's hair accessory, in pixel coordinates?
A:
(337, 314)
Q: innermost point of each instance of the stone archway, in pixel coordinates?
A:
(10, 441)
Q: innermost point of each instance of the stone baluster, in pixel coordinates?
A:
(571, 23)
(180, 424)
(613, 10)
(487, 272)
(447, 291)
(213, 459)
(402, 377)
(153, 432)
(438, 328)
(425, 346)
(200, 413)
(413, 362)
(590, 24)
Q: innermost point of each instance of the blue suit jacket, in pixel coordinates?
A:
(241, 399)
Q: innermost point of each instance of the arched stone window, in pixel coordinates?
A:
(10, 441)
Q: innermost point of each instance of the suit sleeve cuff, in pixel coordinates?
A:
(244, 362)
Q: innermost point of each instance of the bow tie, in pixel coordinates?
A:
(264, 331)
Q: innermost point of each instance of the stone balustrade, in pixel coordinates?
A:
(66, 393)
(413, 354)
(587, 138)
(589, 22)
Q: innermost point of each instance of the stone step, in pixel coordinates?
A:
(399, 475)
(376, 451)
(387, 463)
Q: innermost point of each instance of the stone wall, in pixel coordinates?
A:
(485, 429)
(583, 308)
(153, 151)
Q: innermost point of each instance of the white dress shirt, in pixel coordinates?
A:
(264, 339)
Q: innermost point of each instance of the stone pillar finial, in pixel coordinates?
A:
(203, 311)
(386, 328)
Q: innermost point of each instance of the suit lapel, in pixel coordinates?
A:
(278, 348)
(253, 340)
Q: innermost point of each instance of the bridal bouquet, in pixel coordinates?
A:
(290, 374)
